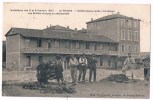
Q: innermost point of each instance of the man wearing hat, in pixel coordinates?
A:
(92, 67)
(129, 63)
(82, 67)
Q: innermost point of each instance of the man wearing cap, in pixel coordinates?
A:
(73, 66)
(82, 67)
(92, 67)
(129, 63)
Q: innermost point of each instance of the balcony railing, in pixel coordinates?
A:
(67, 51)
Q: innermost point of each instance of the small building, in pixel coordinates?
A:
(109, 37)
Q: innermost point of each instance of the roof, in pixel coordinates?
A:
(58, 34)
(112, 17)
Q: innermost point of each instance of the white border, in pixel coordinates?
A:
(70, 1)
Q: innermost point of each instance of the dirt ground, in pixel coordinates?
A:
(105, 89)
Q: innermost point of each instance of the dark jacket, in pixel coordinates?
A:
(58, 71)
(92, 63)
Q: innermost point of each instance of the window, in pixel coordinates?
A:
(136, 48)
(136, 36)
(122, 48)
(77, 45)
(49, 44)
(129, 48)
(129, 23)
(95, 46)
(28, 59)
(129, 35)
(57, 43)
(109, 62)
(135, 24)
(122, 34)
(68, 44)
(27, 40)
(87, 45)
(40, 59)
(39, 42)
(101, 61)
(123, 22)
(101, 46)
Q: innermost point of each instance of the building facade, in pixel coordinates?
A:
(106, 37)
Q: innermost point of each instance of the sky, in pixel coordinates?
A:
(72, 17)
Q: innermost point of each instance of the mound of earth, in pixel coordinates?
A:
(50, 88)
(116, 78)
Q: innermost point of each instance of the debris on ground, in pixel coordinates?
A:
(116, 78)
(49, 88)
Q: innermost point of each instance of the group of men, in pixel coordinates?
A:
(129, 64)
(82, 65)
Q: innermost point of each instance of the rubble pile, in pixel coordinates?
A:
(48, 88)
(116, 78)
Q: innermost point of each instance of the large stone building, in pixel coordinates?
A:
(109, 37)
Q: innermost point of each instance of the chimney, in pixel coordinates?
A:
(75, 29)
(67, 27)
(91, 19)
(82, 28)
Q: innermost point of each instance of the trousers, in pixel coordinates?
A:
(82, 70)
(92, 70)
(74, 74)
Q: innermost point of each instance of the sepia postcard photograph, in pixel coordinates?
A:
(77, 50)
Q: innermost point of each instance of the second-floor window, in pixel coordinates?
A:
(49, 44)
(68, 45)
(129, 35)
(57, 43)
(122, 34)
(136, 36)
(95, 46)
(101, 46)
(123, 48)
(77, 45)
(39, 42)
(87, 45)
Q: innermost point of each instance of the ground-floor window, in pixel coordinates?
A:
(28, 59)
(101, 61)
(109, 62)
(40, 59)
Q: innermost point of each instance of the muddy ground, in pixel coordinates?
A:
(138, 88)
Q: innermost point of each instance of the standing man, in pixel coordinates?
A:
(92, 67)
(82, 67)
(146, 63)
(129, 63)
(73, 67)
